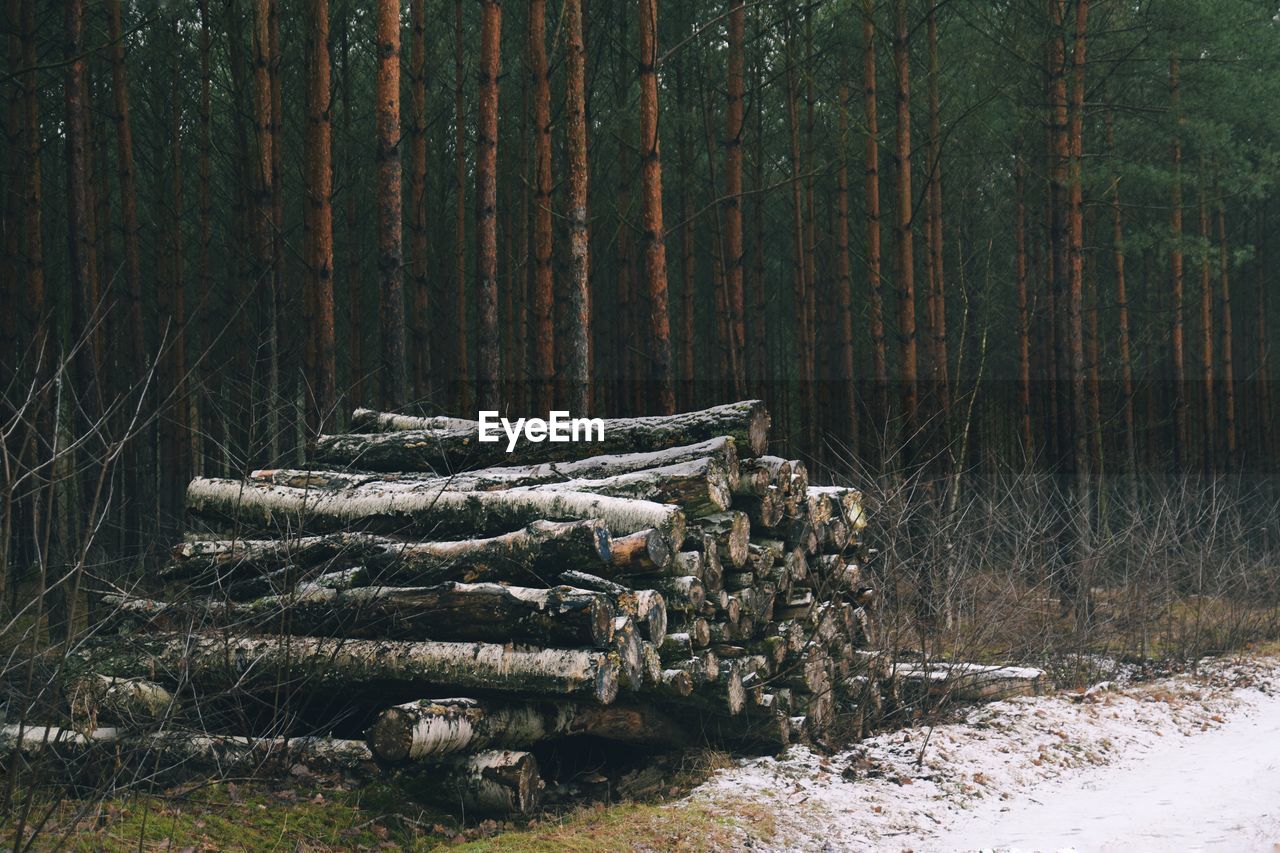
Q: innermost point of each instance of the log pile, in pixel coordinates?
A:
(465, 608)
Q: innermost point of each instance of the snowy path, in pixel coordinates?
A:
(1184, 763)
(1218, 790)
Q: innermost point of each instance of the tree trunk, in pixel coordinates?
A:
(655, 251)
(128, 188)
(1122, 320)
(1228, 361)
(879, 358)
(461, 366)
(488, 366)
(419, 277)
(321, 349)
(489, 612)
(939, 358)
(318, 666)
(905, 238)
(579, 296)
(427, 728)
(394, 385)
(1024, 314)
(496, 783)
(848, 430)
(530, 555)
(1180, 437)
(433, 511)
(735, 258)
(543, 288)
(1209, 433)
(456, 449)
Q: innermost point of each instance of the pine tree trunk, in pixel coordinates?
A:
(1228, 360)
(735, 258)
(1024, 315)
(321, 348)
(1122, 320)
(543, 287)
(1180, 438)
(655, 250)
(489, 364)
(939, 359)
(905, 238)
(1210, 400)
(848, 429)
(394, 388)
(419, 277)
(461, 368)
(879, 357)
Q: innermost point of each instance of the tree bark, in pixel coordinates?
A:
(879, 358)
(735, 258)
(655, 250)
(844, 285)
(457, 448)
(905, 238)
(1122, 318)
(433, 510)
(419, 275)
(461, 367)
(1024, 314)
(489, 612)
(391, 295)
(529, 555)
(1180, 437)
(321, 349)
(579, 296)
(489, 364)
(311, 665)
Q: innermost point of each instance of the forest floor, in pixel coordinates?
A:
(1188, 761)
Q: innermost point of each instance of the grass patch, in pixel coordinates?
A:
(296, 815)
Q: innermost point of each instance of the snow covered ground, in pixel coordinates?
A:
(1183, 763)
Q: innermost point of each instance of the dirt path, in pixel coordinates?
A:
(1184, 763)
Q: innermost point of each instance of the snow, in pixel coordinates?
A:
(1182, 763)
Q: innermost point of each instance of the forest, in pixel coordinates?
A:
(936, 237)
(927, 337)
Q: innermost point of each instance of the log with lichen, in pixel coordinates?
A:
(456, 446)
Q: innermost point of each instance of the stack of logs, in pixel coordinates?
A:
(670, 584)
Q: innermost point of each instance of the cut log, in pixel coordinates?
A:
(496, 783)
(368, 420)
(313, 665)
(128, 702)
(541, 549)
(649, 612)
(457, 447)
(697, 630)
(689, 564)
(626, 646)
(684, 594)
(428, 728)
(676, 646)
(731, 532)
(639, 553)
(181, 754)
(676, 682)
(765, 511)
(776, 469)
(431, 511)
(450, 611)
(849, 502)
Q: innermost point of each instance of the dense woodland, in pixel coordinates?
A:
(928, 233)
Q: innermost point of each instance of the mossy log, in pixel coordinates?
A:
(431, 512)
(539, 550)
(456, 446)
(489, 612)
(315, 665)
(776, 470)
(684, 594)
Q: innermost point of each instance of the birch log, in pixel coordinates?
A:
(492, 612)
(531, 554)
(495, 783)
(640, 553)
(731, 531)
(456, 447)
(313, 665)
(431, 511)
